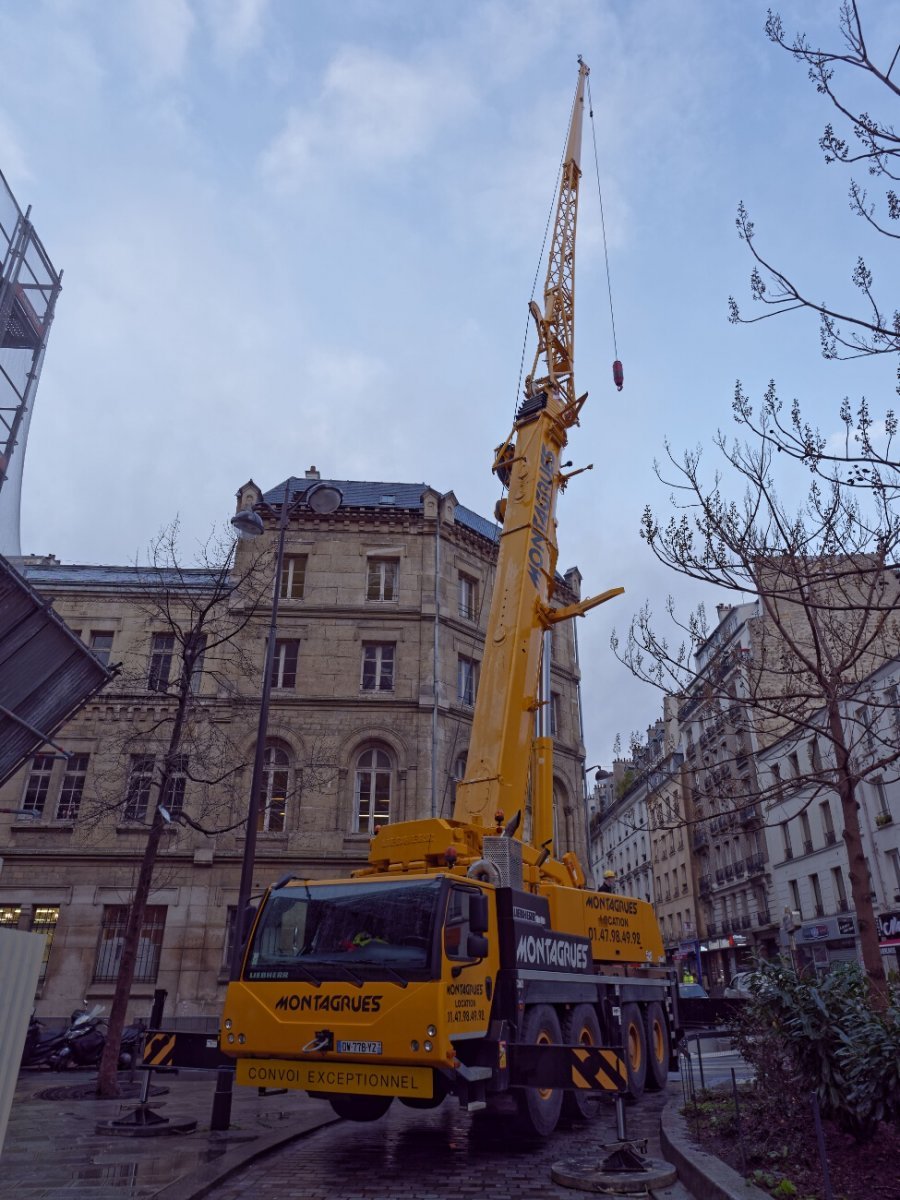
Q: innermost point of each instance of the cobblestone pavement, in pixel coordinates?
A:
(429, 1155)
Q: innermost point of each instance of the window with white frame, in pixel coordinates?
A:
(101, 644)
(467, 680)
(553, 715)
(195, 652)
(877, 784)
(275, 785)
(72, 788)
(468, 596)
(38, 784)
(112, 938)
(173, 792)
(162, 650)
(378, 667)
(840, 891)
(373, 786)
(284, 663)
(293, 577)
(140, 782)
(381, 578)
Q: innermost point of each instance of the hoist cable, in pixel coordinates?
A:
(612, 315)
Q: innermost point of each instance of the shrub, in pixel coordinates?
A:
(805, 1034)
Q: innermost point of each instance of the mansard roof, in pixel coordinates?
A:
(362, 494)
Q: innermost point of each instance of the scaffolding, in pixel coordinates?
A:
(29, 286)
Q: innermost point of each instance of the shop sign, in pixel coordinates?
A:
(811, 933)
(888, 926)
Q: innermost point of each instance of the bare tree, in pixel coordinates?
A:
(872, 143)
(825, 581)
(202, 611)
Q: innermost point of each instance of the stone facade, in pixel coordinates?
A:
(371, 709)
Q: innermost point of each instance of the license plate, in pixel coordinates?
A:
(359, 1047)
(354, 1078)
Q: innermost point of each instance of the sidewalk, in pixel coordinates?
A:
(54, 1152)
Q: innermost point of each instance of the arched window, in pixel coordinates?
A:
(274, 790)
(372, 793)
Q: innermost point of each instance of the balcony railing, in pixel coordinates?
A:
(807, 846)
(720, 875)
(830, 837)
(763, 917)
(701, 839)
(705, 885)
(739, 868)
(749, 814)
(729, 871)
(711, 929)
(756, 864)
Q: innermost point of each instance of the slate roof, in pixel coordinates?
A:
(50, 575)
(361, 494)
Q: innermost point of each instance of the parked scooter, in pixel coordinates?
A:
(41, 1044)
(85, 1038)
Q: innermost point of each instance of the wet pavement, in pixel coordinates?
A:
(285, 1145)
(53, 1150)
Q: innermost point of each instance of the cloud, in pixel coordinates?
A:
(373, 111)
(236, 25)
(163, 30)
(12, 156)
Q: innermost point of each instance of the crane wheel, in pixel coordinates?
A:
(538, 1109)
(581, 1028)
(657, 1047)
(634, 1044)
(360, 1108)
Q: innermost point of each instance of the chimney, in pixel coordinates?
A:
(312, 473)
(722, 611)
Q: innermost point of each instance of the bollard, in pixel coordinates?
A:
(220, 1117)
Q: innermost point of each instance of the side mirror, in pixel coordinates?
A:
(476, 946)
(478, 913)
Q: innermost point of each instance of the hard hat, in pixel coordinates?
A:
(609, 874)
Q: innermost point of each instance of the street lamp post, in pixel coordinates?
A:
(587, 816)
(321, 498)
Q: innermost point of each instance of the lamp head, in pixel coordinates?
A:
(247, 523)
(323, 498)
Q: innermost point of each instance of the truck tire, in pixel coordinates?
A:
(360, 1108)
(538, 1109)
(634, 1044)
(657, 1047)
(581, 1028)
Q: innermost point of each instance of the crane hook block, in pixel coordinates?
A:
(618, 375)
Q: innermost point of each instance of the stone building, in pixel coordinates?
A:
(373, 686)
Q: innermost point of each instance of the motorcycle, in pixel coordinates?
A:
(85, 1038)
(41, 1044)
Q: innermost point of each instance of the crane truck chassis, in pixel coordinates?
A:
(465, 959)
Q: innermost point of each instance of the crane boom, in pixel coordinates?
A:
(528, 463)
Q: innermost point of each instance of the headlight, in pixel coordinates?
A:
(228, 1023)
(241, 1039)
(429, 1045)
(230, 1038)
(431, 1031)
(414, 1045)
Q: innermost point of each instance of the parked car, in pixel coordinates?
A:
(692, 991)
(744, 986)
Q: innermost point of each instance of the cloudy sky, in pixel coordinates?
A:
(300, 232)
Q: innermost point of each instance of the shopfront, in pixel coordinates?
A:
(822, 943)
(888, 926)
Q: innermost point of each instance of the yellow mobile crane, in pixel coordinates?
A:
(463, 959)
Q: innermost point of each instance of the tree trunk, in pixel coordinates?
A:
(860, 879)
(107, 1074)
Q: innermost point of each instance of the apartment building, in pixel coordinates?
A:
(382, 614)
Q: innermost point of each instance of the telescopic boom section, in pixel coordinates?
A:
(556, 325)
(499, 757)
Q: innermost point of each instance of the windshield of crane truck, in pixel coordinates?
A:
(345, 931)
